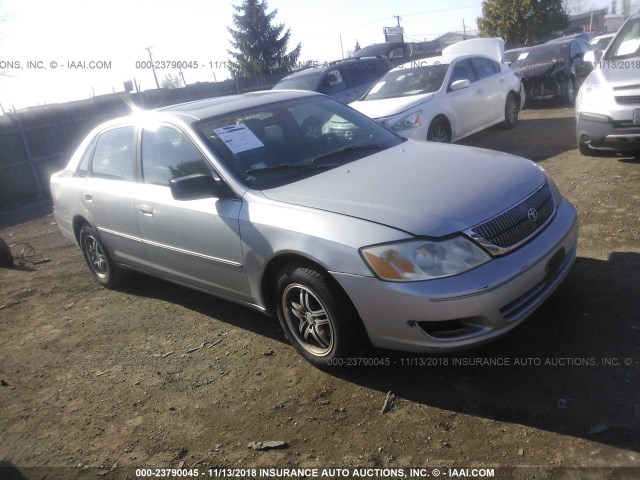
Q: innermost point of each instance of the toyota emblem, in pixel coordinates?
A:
(532, 214)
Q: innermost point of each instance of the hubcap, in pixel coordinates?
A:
(308, 320)
(512, 111)
(96, 257)
(440, 134)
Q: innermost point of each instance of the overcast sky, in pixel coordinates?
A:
(59, 37)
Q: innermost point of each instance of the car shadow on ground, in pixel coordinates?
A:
(571, 368)
(228, 312)
(517, 141)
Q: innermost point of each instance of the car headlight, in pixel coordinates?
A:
(414, 119)
(416, 260)
(593, 95)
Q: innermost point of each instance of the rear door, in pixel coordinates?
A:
(490, 87)
(107, 189)
(194, 242)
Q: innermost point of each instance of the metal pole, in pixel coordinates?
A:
(153, 68)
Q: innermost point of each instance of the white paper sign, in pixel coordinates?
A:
(238, 138)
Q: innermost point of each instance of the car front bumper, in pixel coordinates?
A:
(467, 310)
(602, 132)
(542, 88)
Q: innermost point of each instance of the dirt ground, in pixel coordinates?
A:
(95, 381)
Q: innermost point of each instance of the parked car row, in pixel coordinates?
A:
(442, 99)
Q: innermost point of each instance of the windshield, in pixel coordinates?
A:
(511, 55)
(542, 55)
(627, 41)
(279, 143)
(409, 81)
(300, 81)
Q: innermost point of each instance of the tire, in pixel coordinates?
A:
(6, 259)
(511, 111)
(317, 317)
(570, 92)
(439, 131)
(100, 264)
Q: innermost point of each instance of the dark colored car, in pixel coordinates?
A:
(550, 70)
(346, 80)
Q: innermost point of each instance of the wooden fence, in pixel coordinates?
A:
(36, 142)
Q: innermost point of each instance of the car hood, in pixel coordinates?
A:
(387, 107)
(421, 188)
(535, 70)
(608, 74)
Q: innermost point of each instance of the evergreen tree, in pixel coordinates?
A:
(357, 47)
(519, 21)
(259, 45)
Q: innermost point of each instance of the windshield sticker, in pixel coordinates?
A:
(238, 138)
(523, 56)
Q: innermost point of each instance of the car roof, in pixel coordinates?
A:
(568, 39)
(232, 103)
(198, 109)
(440, 60)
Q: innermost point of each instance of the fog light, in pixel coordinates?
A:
(585, 138)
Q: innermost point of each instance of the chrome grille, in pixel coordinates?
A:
(515, 226)
(628, 100)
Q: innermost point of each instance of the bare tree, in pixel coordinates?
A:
(171, 81)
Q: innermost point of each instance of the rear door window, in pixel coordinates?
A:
(484, 67)
(115, 156)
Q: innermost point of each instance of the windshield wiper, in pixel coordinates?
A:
(349, 149)
(287, 166)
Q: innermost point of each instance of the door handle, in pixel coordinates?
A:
(88, 197)
(146, 210)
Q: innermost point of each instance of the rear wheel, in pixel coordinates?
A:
(439, 131)
(317, 317)
(103, 269)
(511, 111)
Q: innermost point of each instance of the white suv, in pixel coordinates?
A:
(608, 104)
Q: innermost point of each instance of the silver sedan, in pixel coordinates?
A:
(352, 241)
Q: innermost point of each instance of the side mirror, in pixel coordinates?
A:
(198, 186)
(459, 84)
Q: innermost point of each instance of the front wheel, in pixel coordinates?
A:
(570, 92)
(439, 131)
(317, 317)
(103, 269)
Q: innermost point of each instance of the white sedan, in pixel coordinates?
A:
(447, 98)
